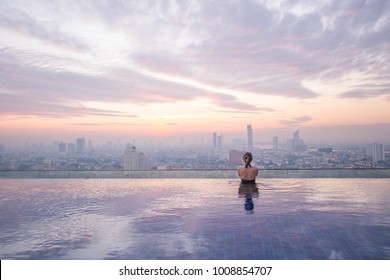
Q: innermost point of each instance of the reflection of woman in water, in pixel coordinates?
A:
(248, 173)
(248, 192)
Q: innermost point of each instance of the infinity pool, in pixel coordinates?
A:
(194, 219)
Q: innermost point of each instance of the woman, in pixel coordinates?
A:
(248, 173)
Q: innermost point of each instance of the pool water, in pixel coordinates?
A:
(194, 219)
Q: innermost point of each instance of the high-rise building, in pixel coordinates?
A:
(215, 141)
(80, 145)
(71, 148)
(133, 160)
(296, 140)
(89, 145)
(250, 136)
(378, 152)
(275, 142)
(144, 162)
(56, 145)
(62, 147)
(219, 142)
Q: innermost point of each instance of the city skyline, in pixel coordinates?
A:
(314, 136)
(169, 70)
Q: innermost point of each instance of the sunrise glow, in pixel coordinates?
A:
(159, 68)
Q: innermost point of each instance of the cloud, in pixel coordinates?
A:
(295, 121)
(367, 91)
(12, 105)
(123, 85)
(18, 20)
(170, 51)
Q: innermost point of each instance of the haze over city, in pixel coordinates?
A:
(153, 71)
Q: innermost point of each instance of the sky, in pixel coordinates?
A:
(160, 69)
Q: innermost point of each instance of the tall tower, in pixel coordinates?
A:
(215, 141)
(80, 145)
(275, 142)
(144, 162)
(378, 152)
(89, 145)
(71, 148)
(250, 136)
(219, 142)
(62, 147)
(131, 158)
(296, 140)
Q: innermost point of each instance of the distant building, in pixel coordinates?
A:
(80, 145)
(62, 147)
(289, 144)
(250, 136)
(89, 145)
(296, 140)
(219, 142)
(298, 145)
(326, 150)
(132, 160)
(325, 153)
(55, 145)
(235, 157)
(144, 162)
(71, 148)
(275, 143)
(215, 141)
(378, 152)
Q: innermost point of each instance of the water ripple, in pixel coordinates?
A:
(194, 219)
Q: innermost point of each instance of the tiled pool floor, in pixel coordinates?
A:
(194, 219)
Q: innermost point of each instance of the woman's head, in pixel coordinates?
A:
(247, 158)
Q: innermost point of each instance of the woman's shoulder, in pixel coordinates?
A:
(255, 169)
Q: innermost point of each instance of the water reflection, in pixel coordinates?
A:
(248, 191)
(194, 219)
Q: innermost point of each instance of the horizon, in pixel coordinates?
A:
(312, 136)
(164, 71)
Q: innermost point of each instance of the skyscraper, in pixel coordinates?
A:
(80, 145)
(62, 147)
(144, 162)
(71, 148)
(131, 158)
(215, 141)
(378, 152)
(250, 136)
(275, 142)
(296, 140)
(296, 144)
(219, 142)
(89, 145)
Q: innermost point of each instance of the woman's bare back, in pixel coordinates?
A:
(248, 173)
